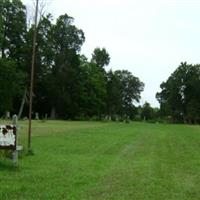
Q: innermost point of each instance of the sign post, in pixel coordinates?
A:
(15, 152)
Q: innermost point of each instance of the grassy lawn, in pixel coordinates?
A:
(105, 161)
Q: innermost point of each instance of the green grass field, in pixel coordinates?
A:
(105, 161)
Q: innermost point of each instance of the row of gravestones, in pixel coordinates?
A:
(7, 115)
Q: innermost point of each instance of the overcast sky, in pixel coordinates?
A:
(147, 37)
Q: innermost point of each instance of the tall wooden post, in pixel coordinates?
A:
(32, 77)
(15, 152)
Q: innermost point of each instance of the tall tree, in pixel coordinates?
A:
(147, 111)
(93, 90)
(114, 92)
(13, 41)
(11, 81)
(67, 42)
(179, 95)
(100, 57)
(44, 63)
(123, 90)
(13, 30)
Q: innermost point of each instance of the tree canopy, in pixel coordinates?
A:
(66, 84)
(180, 94)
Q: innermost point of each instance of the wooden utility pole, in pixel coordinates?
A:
(32, 76)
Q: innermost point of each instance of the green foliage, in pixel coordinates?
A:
(79, 84)
(58, 66)
(66, 85)
(66, 35)
(180, 95)
(13, 29)
(123, 90)
(13, 46)
(147, 111)
(93, 89)
(100, 57)
(1, 23)
(8, 79)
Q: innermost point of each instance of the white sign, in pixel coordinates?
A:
(7, 136)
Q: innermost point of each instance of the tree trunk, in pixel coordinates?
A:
(22, 105)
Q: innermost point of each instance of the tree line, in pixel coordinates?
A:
(67, 84)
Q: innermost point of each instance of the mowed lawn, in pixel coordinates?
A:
(105, 161)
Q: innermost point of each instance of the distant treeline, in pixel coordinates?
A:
(67, 85)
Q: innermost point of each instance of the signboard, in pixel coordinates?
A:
(7, 137)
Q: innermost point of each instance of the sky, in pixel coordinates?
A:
(148, 38)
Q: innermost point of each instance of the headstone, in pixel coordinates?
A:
(37, 116)
(14, 119)
(7, 115)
